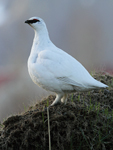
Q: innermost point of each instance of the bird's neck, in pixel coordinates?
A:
(41, 40)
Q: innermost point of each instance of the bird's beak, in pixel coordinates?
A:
(27, 21)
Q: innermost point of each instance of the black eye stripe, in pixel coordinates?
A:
(32, 21)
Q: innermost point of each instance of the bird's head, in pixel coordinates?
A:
(36, 23)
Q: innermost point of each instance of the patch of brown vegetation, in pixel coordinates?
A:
(84, 123)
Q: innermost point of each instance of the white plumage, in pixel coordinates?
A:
(55, 70)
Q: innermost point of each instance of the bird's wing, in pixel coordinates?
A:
(69, 81)
(63, 67)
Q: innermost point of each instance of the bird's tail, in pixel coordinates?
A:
(97, 84)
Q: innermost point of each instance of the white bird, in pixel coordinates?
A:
(55, 70)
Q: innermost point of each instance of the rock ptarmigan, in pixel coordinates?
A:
(55, 70)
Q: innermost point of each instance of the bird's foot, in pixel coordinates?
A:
(64, 99)
(55, 103)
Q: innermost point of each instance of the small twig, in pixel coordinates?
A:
(49, 128)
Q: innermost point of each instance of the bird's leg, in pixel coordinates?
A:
(64, 99)
(57, 99)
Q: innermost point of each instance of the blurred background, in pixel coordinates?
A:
(83, 28)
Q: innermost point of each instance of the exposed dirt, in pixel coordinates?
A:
(84, 123)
